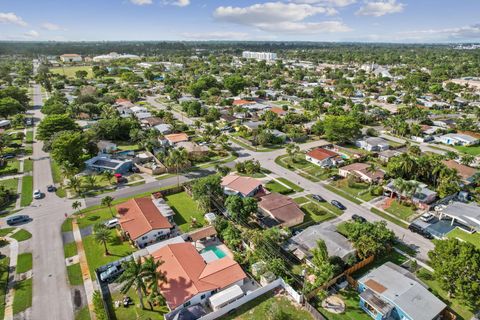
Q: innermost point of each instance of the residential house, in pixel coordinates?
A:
(323, 157)
(466, 173)
(455, 139)
(362, 171)
(392, 292)
(193, 149)
(241, 186)
(151, 122)
(386, 155)
(372, 144)
(70, 57)
(302, 244)
(422, 196)
(280, 210)
(190, 279)
(163, 128)
(253, 125)
(142, 221)
(104, 162)
(467, 215)
(175, 138)
(278, 111)
(105, 146)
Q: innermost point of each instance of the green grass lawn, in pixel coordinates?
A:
(11, 184)
(462, 311)
(74, 273)
(274, 186)
(70, 249)
(11, 167)
(21, 235)
(314, 214)
(352, 307)
(27, 165)
(400, 210)
(292, 185)
(29, 136)
(95, 251)
(125, 147)
(356, 189)
(67, 225)
(23, 296)
(301, 200)
(82, 314)
(24, 262)
(343, 194)
(135, 311)
(5, 231)
(257, 309)
(27, 191)
(69, 71)
(473, 150)
(4, 262)
(305, 169)
(56, 172)
(392, 256)
(465, 236)
(185, 209)
(95, 216)
(389, 218)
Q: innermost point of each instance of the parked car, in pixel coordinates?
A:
(338, 205)
(318, 198)
(17, 219)
(358, 218)
(427, 217)
(37, 194)
(111, 273)
(51, 188)
(417, 229)
(112, 223)
(8, 156)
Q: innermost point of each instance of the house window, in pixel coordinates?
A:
(144, 237)
(202, 296)
(187, 304)
(370, 308)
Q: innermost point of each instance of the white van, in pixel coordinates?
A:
(110, 224)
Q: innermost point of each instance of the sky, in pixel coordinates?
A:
(432, 21)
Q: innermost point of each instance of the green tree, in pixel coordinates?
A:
(205, 190)
(240, 208)
(9, 107)
(235, 83)
(292, 149)
(177, 158)
(153, 278)
(68, 146)
(341, 128)
(76, 205)
(74, 184)
(107, 202)
(54, 123)
(133, 276)
(103, 236)
(108, 176)
(322, 268)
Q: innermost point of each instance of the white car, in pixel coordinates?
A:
(111, 223)
(37, 194)
(426, 217)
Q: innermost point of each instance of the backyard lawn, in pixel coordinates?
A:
(185, 209)
(24, 262)
(274, 186)
(95, 251)
(70, 71)
(135, 311)
(400, 210)
(465, 236)
(392, 256)
(23, 296)
(258, 308)
(463, 312)
(352, 307)
(27, 191)
(4, 262)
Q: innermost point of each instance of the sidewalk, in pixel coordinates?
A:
(87, 280)
(11, 275)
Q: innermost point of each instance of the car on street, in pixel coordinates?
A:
(421, 231)
(319, 198)
(426, 217)
(358, 218)
(51, 188)
(17, 219)
(37, 194)
(112, 223)
(337, 204)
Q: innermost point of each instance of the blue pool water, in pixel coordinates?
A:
(219, 253)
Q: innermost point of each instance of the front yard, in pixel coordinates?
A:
(355, 189)
(314, 214)
(465, 236)
(304, 168)
(400, 210)
(89, 217)
(274, 186)
(186, 210)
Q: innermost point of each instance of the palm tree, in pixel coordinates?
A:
(76, 205)
(107, 202)
(108, 175)
(292, 149)
(153, 278)
(372, 168)
(74, 184)
(133, 276)
(177, 158)
(103, 236)
(91, 180)
(467, 159)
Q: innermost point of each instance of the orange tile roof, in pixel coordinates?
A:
(464, 171)
(121, 100)
(176, 137)
(242, 102)
(278, 111)
(322, 154)
(188, 274)
(139, 216)
(244, 185)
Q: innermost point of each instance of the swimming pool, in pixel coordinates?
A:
(218, 252)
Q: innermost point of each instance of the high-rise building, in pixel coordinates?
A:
(268, 56)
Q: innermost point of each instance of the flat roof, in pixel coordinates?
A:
(467, 213)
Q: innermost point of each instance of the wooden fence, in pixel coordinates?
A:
(313, 312)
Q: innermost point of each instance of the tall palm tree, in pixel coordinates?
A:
(133, 276)
(153, 277)
(103, 236)
(74, 184)
(108, 175)
(91, 180)
(107, 202)
(177, 158)
(467, 159)
(76, 205)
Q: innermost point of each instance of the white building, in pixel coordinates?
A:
(268, 56)
(114, 56)
(457, 139)
(71, 57)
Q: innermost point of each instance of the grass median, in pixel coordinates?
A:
(24, 262)
(23, 296)
(27, 191)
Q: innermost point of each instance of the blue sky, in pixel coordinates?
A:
(314, 20)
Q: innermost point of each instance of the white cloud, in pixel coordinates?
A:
(216, 35)
(10, 17)
(141, 2)
(178, 3)
(328, 3)
(380, 8)
(471, 32)
(51, 26)
(31, 34)
(280, 17)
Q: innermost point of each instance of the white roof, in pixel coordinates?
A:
(230, 294)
